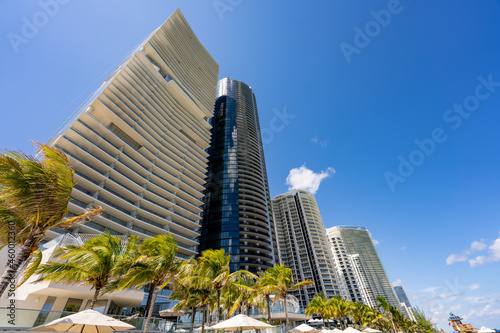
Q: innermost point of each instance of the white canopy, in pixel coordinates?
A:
(240, 322)
(304, 328)
(484, 329)
(371, 330)
(89, 321)
(351, 330)
(315, 321)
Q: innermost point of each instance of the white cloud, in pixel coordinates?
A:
(430, 289)
(453, 258)
(487, 312)
(483, 300)
(397, 282)
(477, 261)
(477, 246)
(474, 286)
(322, 143)
(375, 242)
(305, 179)
(493, 254)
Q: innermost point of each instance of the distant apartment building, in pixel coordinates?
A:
(303, 244)
(351, 272)
(404, 301)
(237, 211)
(365, 264)
(362, 281)
(138, 149)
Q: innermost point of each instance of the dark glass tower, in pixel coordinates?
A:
(236, 215)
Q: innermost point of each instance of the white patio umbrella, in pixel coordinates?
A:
(484, 329)
(371, 330)
(336, 330)
(240, 322)
(180, 330)
(351, 330)
(314, 321)
(88, 321)
(304, 328)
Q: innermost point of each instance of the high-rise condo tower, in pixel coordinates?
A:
(303, 244)
(137, 145)
(236, 214)
(357, 240)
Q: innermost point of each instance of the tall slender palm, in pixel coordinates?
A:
(265, 289)
(359, 312)
(189, 294)
(386, 307)
(156, 265)
(92, 263)
(214, 268)
(34, 196)
(340, 309)
(318, 305)
(243, 293)
(280, 280)
(424, 323)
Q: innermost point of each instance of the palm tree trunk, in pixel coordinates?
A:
(94, 298)
(324, 323)
(392, 321)
(192, 319)
(150, 310)
(286, 315)
(217, 315)
(204, 317)
(23, 253)
(150, 295)
(268, 309)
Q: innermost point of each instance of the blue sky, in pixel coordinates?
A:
(343, 87)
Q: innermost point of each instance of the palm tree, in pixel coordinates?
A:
(92, 263)
(280, 280)
(318, 305)
(340, 309)
(379, 320)
(265, 289)
(214, 269)
(188, 297)
(386, 307)
(242, 293)
(424, 323)
(34, 196)
(359, 313)
(200, 289)
(156, 265)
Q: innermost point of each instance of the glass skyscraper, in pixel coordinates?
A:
(236, 214)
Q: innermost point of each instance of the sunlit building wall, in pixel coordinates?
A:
(303, 244)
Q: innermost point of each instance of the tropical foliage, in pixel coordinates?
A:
(94, 263)
(34, 196)
(386, 318)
